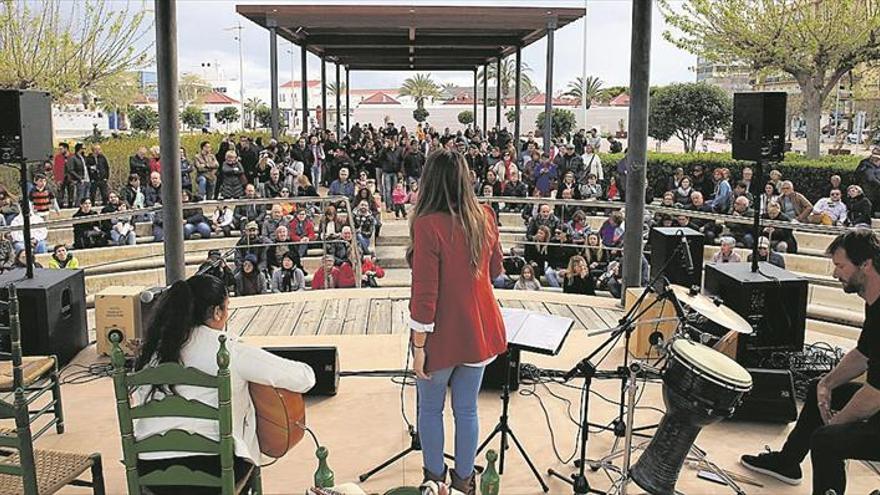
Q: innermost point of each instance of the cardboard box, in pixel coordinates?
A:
(118, 308)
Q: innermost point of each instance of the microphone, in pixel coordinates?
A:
(152, 293)
(657, 342)
(689, 261)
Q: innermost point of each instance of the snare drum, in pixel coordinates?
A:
(700, 387)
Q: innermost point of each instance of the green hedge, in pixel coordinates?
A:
(810, 177)
(118, 150)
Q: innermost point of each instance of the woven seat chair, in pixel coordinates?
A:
(173, 374)
(24, 470)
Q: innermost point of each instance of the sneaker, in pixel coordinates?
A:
(772, 464)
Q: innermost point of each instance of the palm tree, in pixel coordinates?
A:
(576, 89)
(420, 88)
(250, 110)
(508, 78)
(331, 89)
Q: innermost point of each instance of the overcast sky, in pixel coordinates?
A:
(202, 38)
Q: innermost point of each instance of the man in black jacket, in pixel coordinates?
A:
(99, 172)
(390, 162)
(138, 164)
(77, 176)
(247, 154)
(253, 212)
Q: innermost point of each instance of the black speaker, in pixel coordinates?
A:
(772, 398)
(666, 243)
(323, 360)
(772, 300)
(496, 371)
(52, 309)
(25, 126)
(758, 126)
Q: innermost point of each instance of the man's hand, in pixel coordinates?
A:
(823, 401)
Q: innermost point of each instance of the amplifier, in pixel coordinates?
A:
(666, 246)
(25, 126)
(323, 360)
(119, 308)
(496, 372)
(772, 300)
(771, 400)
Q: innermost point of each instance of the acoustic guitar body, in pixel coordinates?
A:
(279, 414)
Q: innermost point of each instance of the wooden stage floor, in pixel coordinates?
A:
(363, 425)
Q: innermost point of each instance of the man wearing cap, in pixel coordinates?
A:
(251, 242)
(568, 161)
(767, 254)
(216, 265)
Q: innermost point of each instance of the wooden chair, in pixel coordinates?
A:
(23, 469)
(172, 374)
(39, 377)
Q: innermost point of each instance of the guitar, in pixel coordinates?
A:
(281, 417)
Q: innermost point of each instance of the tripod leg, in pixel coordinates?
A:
(397, 457)
(525, 456)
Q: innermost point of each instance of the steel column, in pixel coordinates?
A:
(639, 82)
(485, 99)
(548, 91)
(347, 100)
(323, 93)
(498, 94)
(169, 139)
(475, 98)
(305, 87)
(338, 105)
(273, 75)
(517, 96)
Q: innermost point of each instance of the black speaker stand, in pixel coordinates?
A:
(415, 445)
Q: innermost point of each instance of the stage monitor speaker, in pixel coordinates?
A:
(496, 372)
(25, 126)
(118, 308)
(324, 360)
(665, 242)
(759, 126)
(772, 300)
(52, 309)
(771, 400)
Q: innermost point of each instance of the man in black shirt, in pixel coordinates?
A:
(840, 418)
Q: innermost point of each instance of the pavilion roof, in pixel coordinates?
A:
(409, 36)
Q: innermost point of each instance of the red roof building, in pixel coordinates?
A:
(379, 98)
(621, 100)
(217, 98)
(312, 83)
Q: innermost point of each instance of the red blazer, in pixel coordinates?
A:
(308, 229)
(467, 321)
(332, 278)
(346, 276)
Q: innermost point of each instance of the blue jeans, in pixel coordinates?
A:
(552, 277)
(465, 384)
(316, 174)
(206, 187)
(40, 248)
(389, 180)
(123, 240)
(202, 228)
(363, 242)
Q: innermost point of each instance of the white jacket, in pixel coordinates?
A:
(247, 364)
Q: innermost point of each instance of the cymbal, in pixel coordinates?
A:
(719, 314)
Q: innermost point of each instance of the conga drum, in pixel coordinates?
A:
(701, 386)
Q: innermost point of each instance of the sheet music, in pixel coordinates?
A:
(535, 331)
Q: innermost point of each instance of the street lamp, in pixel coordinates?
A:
(237, 38)
(292, 121)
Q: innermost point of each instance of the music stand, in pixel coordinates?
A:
(532, 332)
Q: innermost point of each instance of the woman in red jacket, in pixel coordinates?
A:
(456, 325)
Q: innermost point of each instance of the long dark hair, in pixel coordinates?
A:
(184, 306)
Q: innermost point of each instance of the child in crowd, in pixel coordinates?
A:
(527, 279)
(398, 196)
(62, 258)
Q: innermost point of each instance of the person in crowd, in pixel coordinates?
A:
(683, 192)
(781, 239)
(834, 182)
(111, 206)
(558, 256)
(342, 186)
(272, 188)
(138, 164)
(250, 281)
(576, 278)
(191, 315)
(154, 162)
(545, 217)
(252, 243)
(280, 245)
(568, 184)
(371, 272)
(330, 225)
(327, 276)
(839, 418)
(265, 165)
(250, 212)
(411, 199)
(186, 170)
(78, 183)
(8, 206)
(99, 173)
(765, 253)
(315, 156)
(674, 180)
(527, 279)
(612, 279)
(722, 196)
(595, 255)
(578, 227)
(62, 258)
(868, 176)
(742, 231)
(568, 161)
(275, 218)
(206, 171)
(133, 194)
(776, 180)
(545, 175)
(794, 204)
(153, 191)
(830, 210)
(741, 188)
(747, 179)
(58, 171)
(614, 146)
(302, 231)
(87, 234)
(768, 196)
(592, 164)
(860, 210)
(20, 260)
(41, 197)
(289, 277)
(536, 251)
(398, 197)
(700, 182)
(514, 188)
(413, 162)
(223, 220)
(122, 228)
(611, 230)
(305, 188)
(194, 220)
(248, 156)
(726, 254)
(615, 190)
(451, 348)
(231, 176)
(365, 223)
(562, 211)
(591, 189)
(708, 227)
(215, 265)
